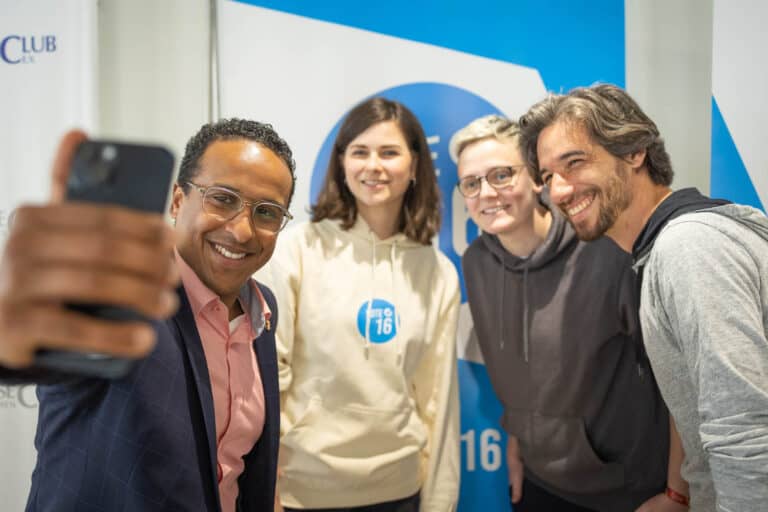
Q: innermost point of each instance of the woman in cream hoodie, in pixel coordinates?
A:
(366, 338)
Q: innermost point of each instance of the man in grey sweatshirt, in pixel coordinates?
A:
(704, 292)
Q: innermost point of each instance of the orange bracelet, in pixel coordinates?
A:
(677, 497)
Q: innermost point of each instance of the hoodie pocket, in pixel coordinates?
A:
(557, 450)
(339, 442)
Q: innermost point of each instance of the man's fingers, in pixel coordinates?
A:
(56, 284)
(94, 236)
(90, 334)
(515, 467)
(516, 473)
(62, 162)
(54, 327)
(97, 218)
(83, 249)
(517, 487)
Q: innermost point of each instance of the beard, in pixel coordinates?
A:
(614, 197)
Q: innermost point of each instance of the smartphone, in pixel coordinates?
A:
(129, 175)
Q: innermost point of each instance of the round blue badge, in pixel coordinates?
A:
(381, 325)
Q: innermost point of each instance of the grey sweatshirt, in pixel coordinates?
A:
(704, 313)
(561, 341)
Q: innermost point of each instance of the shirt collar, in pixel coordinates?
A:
(251, 298)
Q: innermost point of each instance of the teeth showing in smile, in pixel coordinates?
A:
(228, 254)
(573, 210)
(491, 211)
(374, 182)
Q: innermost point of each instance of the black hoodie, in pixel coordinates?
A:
(559, 334)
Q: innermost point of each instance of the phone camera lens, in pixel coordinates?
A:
(93, 165)
(108, 153)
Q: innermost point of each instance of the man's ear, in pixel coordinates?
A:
(636, 159)
(177, 196)
(536, 184)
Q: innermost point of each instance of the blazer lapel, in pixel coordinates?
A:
(267, 447)
(185, 321)
(266, 360)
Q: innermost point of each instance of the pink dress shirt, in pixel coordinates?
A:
(238, 394)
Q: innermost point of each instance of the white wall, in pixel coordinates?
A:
(153, 70)
(669, 72)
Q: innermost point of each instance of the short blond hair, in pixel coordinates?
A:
(486, 127)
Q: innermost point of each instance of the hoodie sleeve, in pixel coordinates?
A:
(436, 391)
(706, 291)
(283, 276)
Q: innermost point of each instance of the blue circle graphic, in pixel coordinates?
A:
(443, 110)
(381, 321)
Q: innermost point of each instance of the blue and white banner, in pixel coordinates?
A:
(739, 102)
(302, 65)
(47, 85)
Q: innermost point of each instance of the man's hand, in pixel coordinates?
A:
(77, 252)
(515, 465)
(661, 503)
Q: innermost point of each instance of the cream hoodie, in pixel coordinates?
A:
(369, 410)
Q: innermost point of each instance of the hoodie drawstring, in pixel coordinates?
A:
(396, 320)
(501, 317)
(366, 349)
(501, 306)
(393, 285)
(525, 314)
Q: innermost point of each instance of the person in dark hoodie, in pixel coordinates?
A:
(556, 320)
(704, 290)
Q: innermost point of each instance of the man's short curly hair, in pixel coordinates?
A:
(229, 129)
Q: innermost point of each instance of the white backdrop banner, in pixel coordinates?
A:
(302, 65)
(47, 85)
(739, 102)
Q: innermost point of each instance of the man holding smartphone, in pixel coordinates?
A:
(195, 424)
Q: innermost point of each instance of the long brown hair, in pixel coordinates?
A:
(420, 214)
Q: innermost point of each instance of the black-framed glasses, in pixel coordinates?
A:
(497, 177)
(226, 204)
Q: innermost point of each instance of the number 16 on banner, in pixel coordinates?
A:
(485, 449)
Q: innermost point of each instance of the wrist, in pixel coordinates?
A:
(677, 497)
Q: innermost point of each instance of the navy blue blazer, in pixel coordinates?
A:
(147, 442)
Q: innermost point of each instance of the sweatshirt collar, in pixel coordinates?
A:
(361, 229)
(682, 201)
